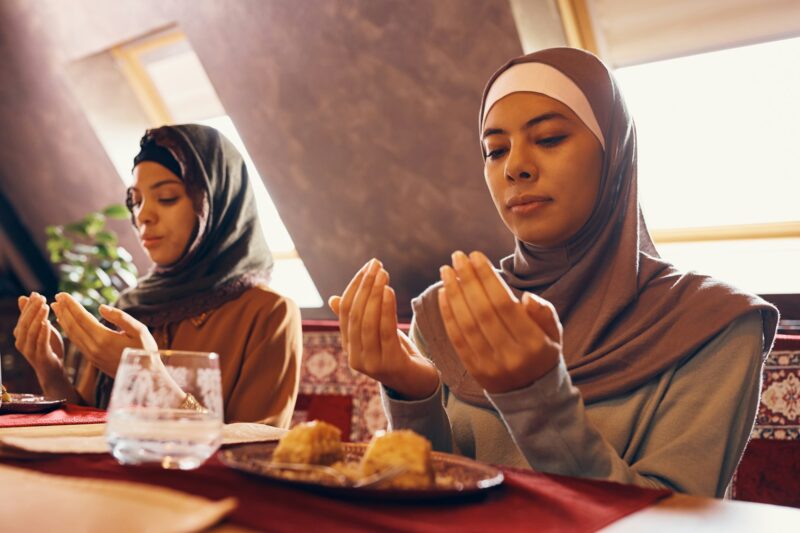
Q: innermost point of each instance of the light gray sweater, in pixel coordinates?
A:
(684, 430)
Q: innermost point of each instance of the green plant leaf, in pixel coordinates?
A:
(117, 211)
(128, 277)
(78, 228)
(95, 222)
(110, 294)
(124, 254)
(102, 277)
(106, 237)
(54, 232)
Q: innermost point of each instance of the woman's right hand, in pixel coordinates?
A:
(375, 347)
(36, 338)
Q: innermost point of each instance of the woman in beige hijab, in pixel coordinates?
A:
(586, 354)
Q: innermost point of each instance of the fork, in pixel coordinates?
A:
(341, 479)
(379, 477)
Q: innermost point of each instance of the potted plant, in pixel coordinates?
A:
(91, 265)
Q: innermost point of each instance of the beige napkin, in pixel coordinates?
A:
(90, 438)
(44, 502)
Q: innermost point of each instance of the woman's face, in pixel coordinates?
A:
(543, 167)
(163, 212)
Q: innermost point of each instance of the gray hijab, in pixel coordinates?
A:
(628, 315)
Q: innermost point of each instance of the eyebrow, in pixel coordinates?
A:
(531, 123)
(158, 184)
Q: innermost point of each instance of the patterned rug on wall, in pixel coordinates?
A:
(770, 469)
(331, 391)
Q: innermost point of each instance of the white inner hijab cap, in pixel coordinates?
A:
(546, 80)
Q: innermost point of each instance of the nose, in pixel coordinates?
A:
(146, 214)
(520, 165)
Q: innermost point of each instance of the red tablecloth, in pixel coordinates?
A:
(525, 502)
(69, 414)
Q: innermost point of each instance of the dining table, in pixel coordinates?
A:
(56, 473)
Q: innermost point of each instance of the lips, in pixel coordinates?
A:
(527, 202)
(150, 240)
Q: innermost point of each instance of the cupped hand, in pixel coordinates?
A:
(35, 338)
(102, 346)
(505, 343)
(367, 313)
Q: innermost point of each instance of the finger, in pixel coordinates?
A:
(371, 321)
(79, 328)
(334, 302)
(22, 301)
(461, 313)
(347, 301)
(489, 316)
(125, 322)
(30, 341)
(544, 314)
(513, 317)
(26, 318)
(388, 326)
(457, 339)
(43, 336)
(357, 310)
(129, 326)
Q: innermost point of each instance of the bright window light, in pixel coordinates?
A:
(718, 136)
(178, 90)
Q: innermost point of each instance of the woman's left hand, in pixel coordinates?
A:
(505, 343)
(101, 345)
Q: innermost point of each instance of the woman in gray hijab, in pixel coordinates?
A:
(585, 354)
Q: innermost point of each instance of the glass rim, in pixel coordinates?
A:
(170, 353)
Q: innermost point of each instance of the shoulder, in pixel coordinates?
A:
(741, 343)
(746, 330)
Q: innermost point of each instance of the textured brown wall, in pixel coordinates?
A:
(360, 115)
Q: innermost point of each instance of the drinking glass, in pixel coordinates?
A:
(165, 408)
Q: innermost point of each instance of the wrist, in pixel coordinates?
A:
(48, 371)
(418, 382)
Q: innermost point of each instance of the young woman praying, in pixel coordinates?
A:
(194, 211)
(585, 353)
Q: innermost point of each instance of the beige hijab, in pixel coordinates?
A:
(628, 315)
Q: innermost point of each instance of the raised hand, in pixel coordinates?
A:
(505, 343)
(36, 339)
(101, 345)
(367, 313)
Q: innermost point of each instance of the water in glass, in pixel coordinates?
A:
(166, 408)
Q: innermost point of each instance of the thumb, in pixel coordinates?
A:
(334, 302)
(544, 314)
(22, 301)
(125, 322)
(130, 326)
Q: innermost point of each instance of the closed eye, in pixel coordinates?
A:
(495, 154)
(551, 141)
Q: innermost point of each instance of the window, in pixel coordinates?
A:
(718, 161)
(159, 80)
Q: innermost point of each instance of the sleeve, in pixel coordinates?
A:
(427, 416)
(268, 382)
(694, 442)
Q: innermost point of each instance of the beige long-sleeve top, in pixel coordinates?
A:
(684, 430)
(259, 339)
